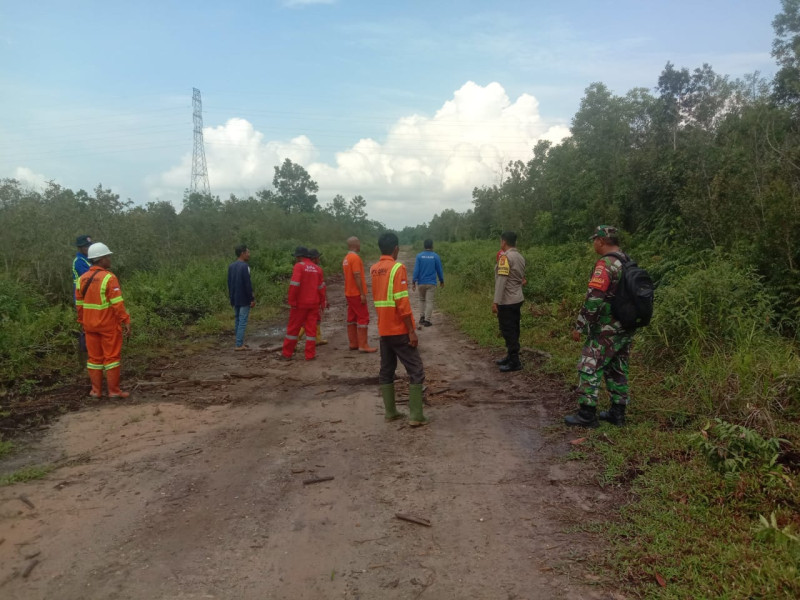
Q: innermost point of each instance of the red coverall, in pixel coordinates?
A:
(101, 312)
(306, 295)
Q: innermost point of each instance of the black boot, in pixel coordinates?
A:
(499, 362)
(512, 364)
(615, 416)
(585, 417)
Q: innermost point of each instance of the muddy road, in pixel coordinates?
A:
(194, 487)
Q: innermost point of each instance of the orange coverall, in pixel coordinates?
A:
(101, 312)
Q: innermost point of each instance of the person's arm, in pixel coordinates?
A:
(415, 274)
(500, 282)
(361, 283)
(595, 298)
(114, 297)
(248, 287)
(439, 270)
(294, 284)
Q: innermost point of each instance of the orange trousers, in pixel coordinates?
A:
(104, 348)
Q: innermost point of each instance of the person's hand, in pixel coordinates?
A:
(363, 298)
(253, 304)
(441, 284)
(576, 335)
(494, 308)
(524, 281)
(413, 340)
(126, 329)
(413, 287)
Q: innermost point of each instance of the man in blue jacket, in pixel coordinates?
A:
(427, 268)
(240, 290)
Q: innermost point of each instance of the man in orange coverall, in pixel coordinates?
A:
(396, 328)
(102, 314)
(306, 295)
(355, 292)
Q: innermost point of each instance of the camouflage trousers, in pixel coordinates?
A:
(606, 357)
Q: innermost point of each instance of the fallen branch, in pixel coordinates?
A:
(317, 480)
(29, 568)
(413, 519)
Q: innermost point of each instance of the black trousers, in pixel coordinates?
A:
(394, 347)
(508, 316)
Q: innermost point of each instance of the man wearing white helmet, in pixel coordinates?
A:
(101, 312)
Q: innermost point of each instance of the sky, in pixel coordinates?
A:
(410, 104)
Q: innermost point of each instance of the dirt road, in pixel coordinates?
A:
(194, 487)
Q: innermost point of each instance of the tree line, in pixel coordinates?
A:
(699, 163)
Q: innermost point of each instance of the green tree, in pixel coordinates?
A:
(295, 191)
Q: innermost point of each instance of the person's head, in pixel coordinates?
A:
(389, 244)
(354, 244)
(428, 244)
(300, 253)
(314, 255)
(508, 239)
(242, 253)
(605, 239)
(99, 254)
(83, 242)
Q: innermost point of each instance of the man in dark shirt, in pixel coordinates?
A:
(240, 290)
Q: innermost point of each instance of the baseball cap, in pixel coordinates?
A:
(605, 231)
(300, 251)
(314, 253)
(83, 240)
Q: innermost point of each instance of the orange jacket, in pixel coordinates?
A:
(100, 305)
(388, 276)
(306, 288)
(351, 265)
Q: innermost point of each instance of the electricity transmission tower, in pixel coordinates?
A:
(199, 168)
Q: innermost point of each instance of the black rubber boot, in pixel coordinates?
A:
(585, 417)
(499, 362)
(513, 364)
(615, 416)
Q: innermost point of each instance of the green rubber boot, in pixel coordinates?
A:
(391, 413)
(415, 416)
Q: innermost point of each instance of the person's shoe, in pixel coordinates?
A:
(421, 323)
(585, 417)
(427, 323)
(390, 410)
(615, 416)
(502, 361)
(513, 364)
(352, 335)
(320, 341)
(362, 341)
(415, 416)
(284, 357)
(242, 348)
(112, 379)
(96, 377)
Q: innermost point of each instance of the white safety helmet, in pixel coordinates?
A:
(98, 250)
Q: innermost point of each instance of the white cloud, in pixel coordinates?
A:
(425, 164)
(27, 176)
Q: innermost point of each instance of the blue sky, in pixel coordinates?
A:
(410, 104)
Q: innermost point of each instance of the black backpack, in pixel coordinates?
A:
(632, 304)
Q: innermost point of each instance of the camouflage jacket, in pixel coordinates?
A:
(595, 317)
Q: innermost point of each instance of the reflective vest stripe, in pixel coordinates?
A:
(75, 277)
(94, 366)
(297, 283)
(105, 303)
(390, 295)
(116, 300)
(111, 365)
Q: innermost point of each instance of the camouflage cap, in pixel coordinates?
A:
(605, 231)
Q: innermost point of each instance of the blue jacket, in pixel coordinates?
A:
(427, 267)
(240, 288)
(80, 265)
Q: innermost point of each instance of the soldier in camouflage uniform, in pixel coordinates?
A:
(607, 348)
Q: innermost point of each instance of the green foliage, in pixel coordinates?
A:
(768, 530)
(25, 474)
(732, 448)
